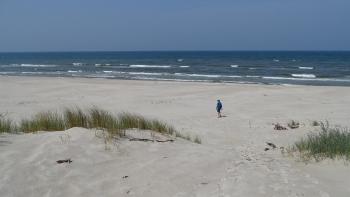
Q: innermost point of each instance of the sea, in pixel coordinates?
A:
(319, 68)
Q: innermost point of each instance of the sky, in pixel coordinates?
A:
(142, 25)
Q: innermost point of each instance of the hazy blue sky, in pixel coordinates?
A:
(69, 25)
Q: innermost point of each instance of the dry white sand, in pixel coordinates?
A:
(231, 160)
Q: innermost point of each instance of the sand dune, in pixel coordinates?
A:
(231, 160)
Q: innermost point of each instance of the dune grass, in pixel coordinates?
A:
(330, 142)
(197, 140)
(75, 117)
(91, 118)
(6, 125)
(99, 118)
(44, 121)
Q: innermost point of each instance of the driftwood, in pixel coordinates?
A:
(150, 140)
(293, 124)
(64, 161)
(271, 145)
(279, 127)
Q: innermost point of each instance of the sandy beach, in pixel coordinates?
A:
(230, 161)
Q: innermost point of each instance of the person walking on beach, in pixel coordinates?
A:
(219, 108)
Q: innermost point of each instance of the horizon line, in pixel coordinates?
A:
(191, 50)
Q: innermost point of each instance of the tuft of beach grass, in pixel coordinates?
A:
(75, 117)
(99, 118)
(329, 142)
(44, 121)
(197, 140)
(6, 125)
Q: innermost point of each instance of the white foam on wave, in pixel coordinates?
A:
(284, 78)
(304, 75)
(234, 66)
(184, 66)
(180, 60)
(33, 65)
(166, 79)
(306, 79)
(306, 67)
(32, 72)
(74, 71)
(149, 66)
(276, 60)
(77, 64)
(197, 75)
(110, 71)
(98, 64)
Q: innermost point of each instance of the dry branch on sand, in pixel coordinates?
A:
(279, 127)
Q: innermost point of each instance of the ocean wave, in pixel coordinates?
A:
(304, 75)
(306, 67)
(146, 73)
(32, 65)
(7, 66)
(184, 66)
(166, 79)
(197, 75)
(6, 73)
(38, 73)
(307, 79)
(234, 66)
(74, 71)
(77, 64)
(148, 66)
(208, 76)
(110, 71)
(276, 60)
(180, 60)
(287, 78)
(94, 76)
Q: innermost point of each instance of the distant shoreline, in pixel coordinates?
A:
(165, 81)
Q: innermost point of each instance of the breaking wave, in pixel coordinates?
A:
(306, 67)
(304, 75)
(149, 66)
